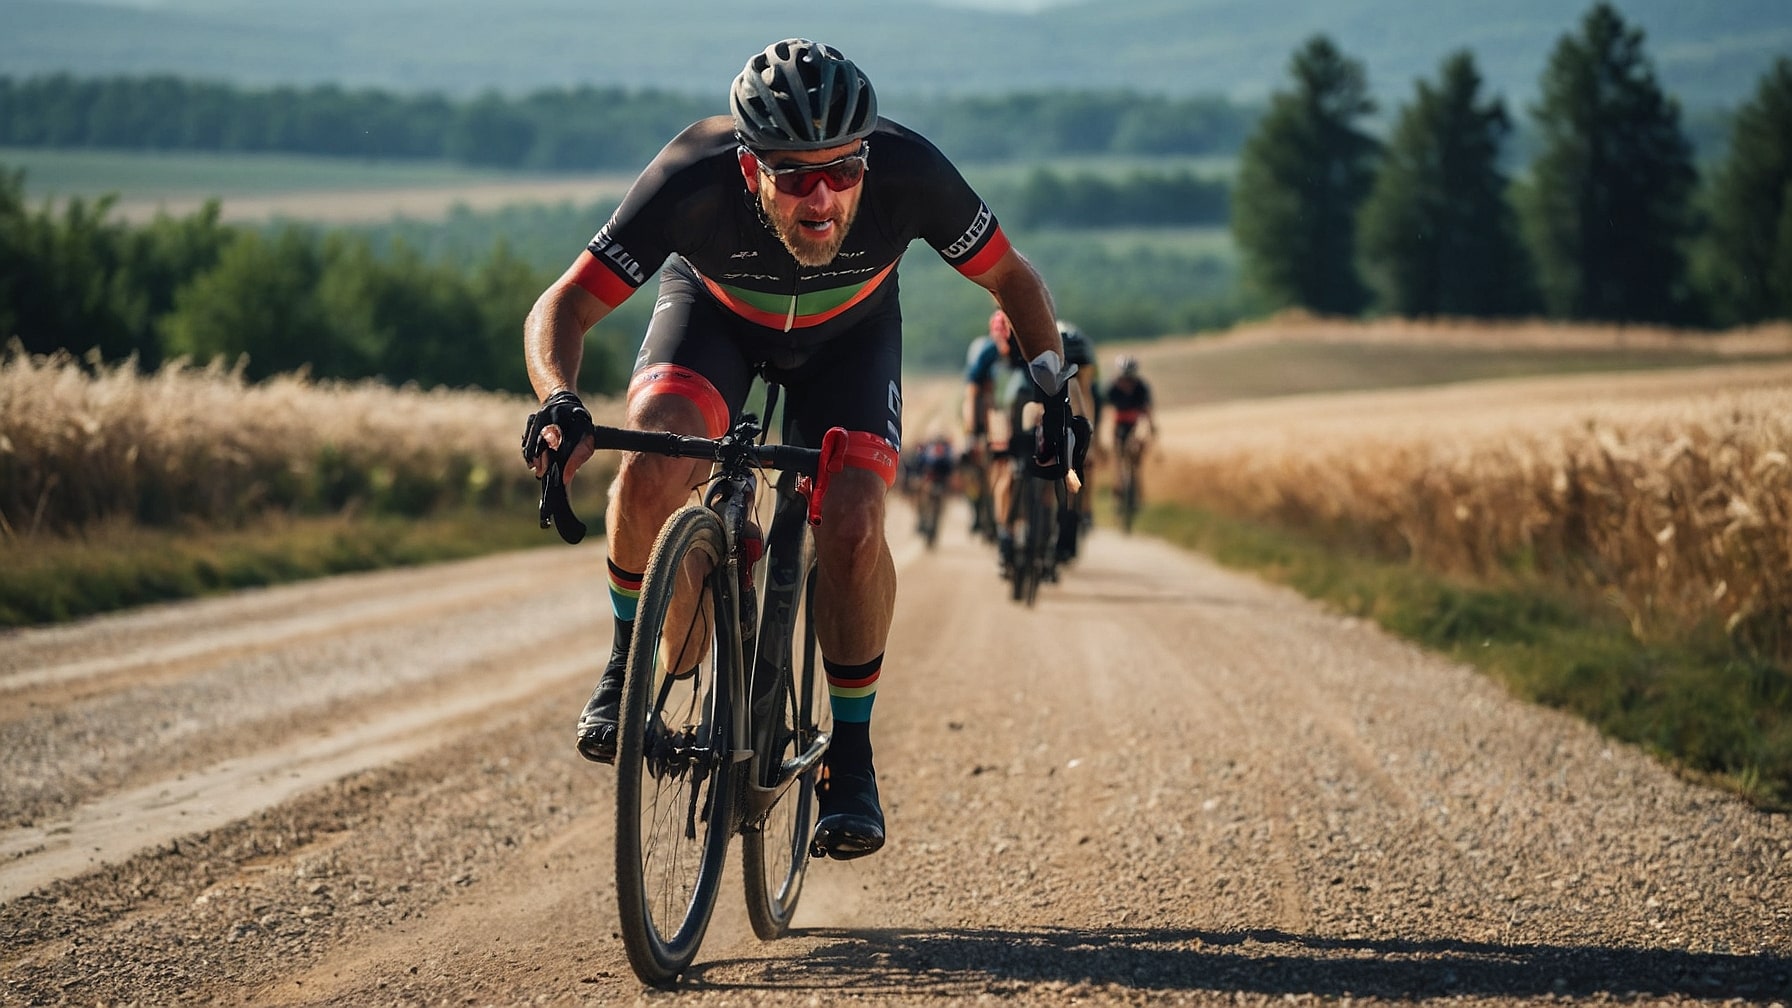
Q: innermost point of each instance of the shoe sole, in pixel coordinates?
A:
(595, 749)
(843, 843)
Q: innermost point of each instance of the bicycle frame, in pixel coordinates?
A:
(773, 639)
(759, 732)
(732, 493)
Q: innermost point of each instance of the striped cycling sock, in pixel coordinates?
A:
(852, 689)
(625, 594)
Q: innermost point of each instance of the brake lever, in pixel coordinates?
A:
(556, 509)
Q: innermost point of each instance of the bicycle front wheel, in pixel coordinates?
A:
(675, 783)
(1039, 516)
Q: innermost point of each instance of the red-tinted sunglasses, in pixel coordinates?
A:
(840, 174)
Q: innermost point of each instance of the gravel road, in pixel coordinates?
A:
(1167, 784)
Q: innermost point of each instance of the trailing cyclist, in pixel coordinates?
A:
(986, 367)
(1014, 394)
(1129, 398)
(780, 226)
(928, 473)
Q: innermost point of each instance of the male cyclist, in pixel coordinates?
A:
(1129, 396)
(986, 367)
(928, 470)
(780, 226)
(1014, 393)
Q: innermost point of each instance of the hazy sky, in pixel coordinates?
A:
(1007, 5)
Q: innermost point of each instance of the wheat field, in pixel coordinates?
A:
(83, 444)
(1665, 491)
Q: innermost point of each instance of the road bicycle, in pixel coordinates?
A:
(930, 501)
(974, 472)
(1035, 504)
(725, 716)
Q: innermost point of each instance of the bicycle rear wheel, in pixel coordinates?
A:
(775, 857)
(675, 783)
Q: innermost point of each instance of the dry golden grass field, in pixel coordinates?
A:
(1662, 461)
(1669, 487)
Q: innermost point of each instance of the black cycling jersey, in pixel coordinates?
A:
(733, 302)
(1129, 405)
(691, 204)
(1132, 400)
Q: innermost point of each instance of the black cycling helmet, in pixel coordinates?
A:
(801, 95)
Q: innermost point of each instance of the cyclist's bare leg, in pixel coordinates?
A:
(1002, 489)
(855, 598)
(1001, 479)
(1136, 450)
(856, 577)
(647, 489)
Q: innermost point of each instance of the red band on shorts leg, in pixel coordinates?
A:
(865, 450)
(670, 379)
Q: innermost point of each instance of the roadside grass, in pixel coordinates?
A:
(1715, 713)
(48, 579)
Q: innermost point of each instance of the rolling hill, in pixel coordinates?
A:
(1709, 54)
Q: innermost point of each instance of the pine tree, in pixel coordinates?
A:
(1747, 271)
(1608, 207)
(1438, 234)
(1302, 178)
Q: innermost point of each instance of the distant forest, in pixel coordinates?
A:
(568, 129)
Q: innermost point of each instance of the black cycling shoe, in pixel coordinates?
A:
(852, 822)
(596, 733)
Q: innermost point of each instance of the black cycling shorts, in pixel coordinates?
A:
(853, 380)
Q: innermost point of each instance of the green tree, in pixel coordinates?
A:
(1302, 179)
(261, 301)
(62, 280)
(159, 259)
(1439, 236)
(1746, 271)
(1608, 208)
(504, 288)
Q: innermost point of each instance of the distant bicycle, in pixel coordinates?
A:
(930, 501)
(1036, 504)
(934, 465)
(725, 715)
(973, 469)
(1126, 482)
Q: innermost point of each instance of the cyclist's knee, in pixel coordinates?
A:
(669, 397)
(852, 516)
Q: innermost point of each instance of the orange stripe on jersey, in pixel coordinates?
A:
(790, 319)
(992, 253)
(601, 282)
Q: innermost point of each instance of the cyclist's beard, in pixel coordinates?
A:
(803, 245)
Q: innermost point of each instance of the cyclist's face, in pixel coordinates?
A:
(812, 226)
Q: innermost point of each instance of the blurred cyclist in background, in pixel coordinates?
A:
(1129, 398)
(988, 366)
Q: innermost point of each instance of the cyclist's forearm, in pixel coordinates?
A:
(1023, 296)
(554, 336)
